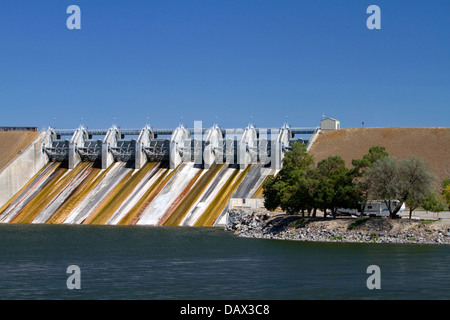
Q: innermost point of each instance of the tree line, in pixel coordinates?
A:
(303, 187)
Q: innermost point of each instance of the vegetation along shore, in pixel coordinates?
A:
(263, 224)
(307, 202)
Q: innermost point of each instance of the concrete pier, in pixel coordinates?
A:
(213, 151)
(143, 141)
(247, 147)
(78, 140)
(109, 142)
(180, 150)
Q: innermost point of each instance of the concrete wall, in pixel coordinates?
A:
(19, 171)
(313, 139)
(236, 203)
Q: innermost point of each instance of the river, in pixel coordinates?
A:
(143, 262)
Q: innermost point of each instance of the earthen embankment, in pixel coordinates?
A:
(429, 143)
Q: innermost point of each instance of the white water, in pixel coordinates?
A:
(174, 187)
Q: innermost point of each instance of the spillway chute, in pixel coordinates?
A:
(148, 176)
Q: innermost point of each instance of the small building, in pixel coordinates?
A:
(330, 124)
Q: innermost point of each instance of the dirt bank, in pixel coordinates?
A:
(12, 142)
(431, 144)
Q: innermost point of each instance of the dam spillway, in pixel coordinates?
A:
(185, 179)
(120, 195)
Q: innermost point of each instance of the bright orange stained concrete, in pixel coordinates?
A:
(220, 201)
(20, 192)
(118, 195)
(134, 214)
(80, 193)
(60, 178)
(174, 206)
(182, 208)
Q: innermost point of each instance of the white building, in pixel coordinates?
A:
(330, 124)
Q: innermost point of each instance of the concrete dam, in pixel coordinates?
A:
(171, 177)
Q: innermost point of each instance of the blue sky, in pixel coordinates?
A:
(231, 62)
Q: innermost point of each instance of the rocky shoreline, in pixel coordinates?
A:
(263, 224)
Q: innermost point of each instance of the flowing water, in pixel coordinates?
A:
(156, 262)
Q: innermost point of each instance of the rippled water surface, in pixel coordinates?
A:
(138, 262)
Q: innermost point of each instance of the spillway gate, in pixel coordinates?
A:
(199, 145)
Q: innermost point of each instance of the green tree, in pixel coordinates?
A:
(433, 204)
(271, 192)
(417, 182)
(308, 190)
(336, 188)
(407, 180)
(298, 194)
(330, 185)
(295, 161)
(445, 183)
(283, 190)
(446, 191)
(446, 196)
(361, 166)
(381, 181)
(413, 203)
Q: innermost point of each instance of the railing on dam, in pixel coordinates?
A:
(18, 128)
(136, 132)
